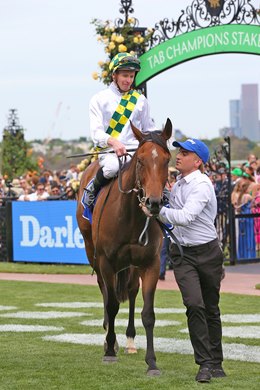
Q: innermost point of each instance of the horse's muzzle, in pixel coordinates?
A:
(154, 205)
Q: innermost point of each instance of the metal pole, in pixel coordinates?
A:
(230, 214)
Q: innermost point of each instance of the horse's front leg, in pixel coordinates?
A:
(149, 281)
(133, 289)
(111, 309)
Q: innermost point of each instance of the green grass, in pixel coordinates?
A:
(30, 363)
(41, 268)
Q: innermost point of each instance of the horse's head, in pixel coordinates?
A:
(152, 158)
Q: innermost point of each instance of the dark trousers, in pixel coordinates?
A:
(198, 276)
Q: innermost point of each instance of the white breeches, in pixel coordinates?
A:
(109, 163)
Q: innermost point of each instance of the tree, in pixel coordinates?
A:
(16, 152)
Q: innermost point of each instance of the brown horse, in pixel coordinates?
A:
(122, 244)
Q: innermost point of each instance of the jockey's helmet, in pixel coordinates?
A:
(124, 61)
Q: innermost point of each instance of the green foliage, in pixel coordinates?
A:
(16, 159)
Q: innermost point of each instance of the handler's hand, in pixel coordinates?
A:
(145, 210)
(118, 147)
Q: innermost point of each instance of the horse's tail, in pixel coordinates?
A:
(123, 278)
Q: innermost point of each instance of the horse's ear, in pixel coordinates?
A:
(137, 133)
(167, 131)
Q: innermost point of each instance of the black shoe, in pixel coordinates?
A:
(162, 277)
(204, 375)
(217, 371)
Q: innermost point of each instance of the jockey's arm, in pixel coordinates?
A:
(117, 146)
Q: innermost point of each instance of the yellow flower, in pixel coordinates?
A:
(104, 74)
(136, 40)
(141, 39)
(95, 75)
(120, 39)
(113, 37)
(111, 45)
(122, 48)
(131, 20)
(100, 63)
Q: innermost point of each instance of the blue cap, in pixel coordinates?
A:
(196, 146)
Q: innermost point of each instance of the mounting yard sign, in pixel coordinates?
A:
(213, 40)
(206, 27)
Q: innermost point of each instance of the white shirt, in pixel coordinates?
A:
(193, 209)
(101, 108)
(35, 196)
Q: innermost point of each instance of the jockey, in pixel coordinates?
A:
(110, 112)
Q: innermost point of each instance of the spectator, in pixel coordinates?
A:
(39, 194)
(241, 201)
(15, 187)
(55, 192)
(25, 187)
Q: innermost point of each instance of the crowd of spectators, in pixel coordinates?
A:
(245, 199)
(245, 195)
(48, 185)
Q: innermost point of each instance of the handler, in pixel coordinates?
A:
(110, 113)
(192, 211)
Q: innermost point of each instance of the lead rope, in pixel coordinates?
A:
(144, 238)
(144, 233)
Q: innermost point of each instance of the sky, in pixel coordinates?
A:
(49, 51)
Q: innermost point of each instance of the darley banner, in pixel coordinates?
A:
(231, 38)
(47, 232)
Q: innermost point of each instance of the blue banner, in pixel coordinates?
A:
(47, 232)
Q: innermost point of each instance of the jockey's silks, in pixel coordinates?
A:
(122, 113)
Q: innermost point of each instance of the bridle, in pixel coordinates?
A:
(140, 191)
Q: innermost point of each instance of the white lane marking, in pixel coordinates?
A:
(29, 328)
(242, 332)
(138, 323)
(71, 305)
(170, 345)
(2, 308)
(157, 310)
(240, 318)
(43, 315)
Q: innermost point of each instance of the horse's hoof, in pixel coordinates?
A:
(154, 372)
(130, 351)
(110, 359)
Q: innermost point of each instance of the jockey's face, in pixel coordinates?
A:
(124, 79)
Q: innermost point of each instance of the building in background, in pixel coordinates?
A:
(234, 109)
(244, 113)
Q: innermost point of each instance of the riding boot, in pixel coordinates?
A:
(94, 186)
